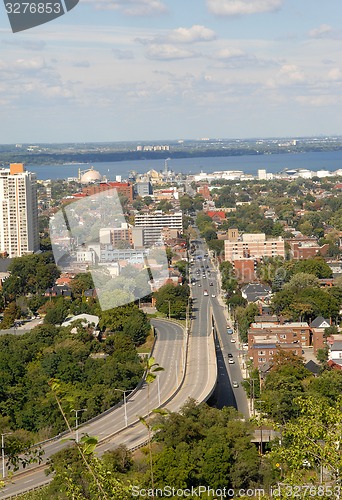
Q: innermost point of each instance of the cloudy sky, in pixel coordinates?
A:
(113, 70)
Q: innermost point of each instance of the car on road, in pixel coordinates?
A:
(235, 384)
(232, 340)
(205, 293)
(199, 284)
(231, 361)
(211, 283)
(213, 295)
(230, 331)
(229, 355)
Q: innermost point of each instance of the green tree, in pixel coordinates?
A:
(57, 313)
(81, 282)
(173, 299)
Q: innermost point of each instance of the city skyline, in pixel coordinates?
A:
(156, 69)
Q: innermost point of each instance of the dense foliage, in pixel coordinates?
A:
(88, 377)
(172, 299)
(31, 274)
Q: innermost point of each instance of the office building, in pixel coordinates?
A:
(154, 223)
(143, 189)
(18, 211)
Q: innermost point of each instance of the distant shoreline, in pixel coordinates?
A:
(38, 159)
(249, 164)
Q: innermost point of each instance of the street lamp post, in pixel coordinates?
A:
(169, 308)
(125, 404)
(3, 452)
(260, 401)
(252, 393)
(76, 428)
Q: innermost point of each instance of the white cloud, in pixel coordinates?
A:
(322, 31)
(131, 7)
(291, 72)
(226, 54)
(194, 34)
(191, 35)
(289, 75)
(240, 7)
(34, 64)
(168, 52)
(335, 75)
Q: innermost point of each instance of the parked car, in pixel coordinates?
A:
(231, 361)
(235, 384)
(232, 341)
(230, 331)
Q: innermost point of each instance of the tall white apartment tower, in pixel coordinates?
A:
(18, 211)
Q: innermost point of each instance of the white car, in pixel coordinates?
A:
(235, 384)
(213, 295)
(231, 361)
(232, 340)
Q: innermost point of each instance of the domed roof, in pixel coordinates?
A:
(91, 176)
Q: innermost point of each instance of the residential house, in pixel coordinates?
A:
(318, 326)
(254, 291)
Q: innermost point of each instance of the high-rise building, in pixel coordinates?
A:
(153, 223)
(18, 211)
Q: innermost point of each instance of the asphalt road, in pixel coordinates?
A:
(225, 394)
(20, 330)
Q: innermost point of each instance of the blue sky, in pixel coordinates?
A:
(113, 70)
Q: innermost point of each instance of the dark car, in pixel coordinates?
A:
(229, 355)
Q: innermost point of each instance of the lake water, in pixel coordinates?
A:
(249, 164)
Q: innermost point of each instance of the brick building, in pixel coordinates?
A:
(124, 188)
(262, 352)
(254, 246)
(305, 248)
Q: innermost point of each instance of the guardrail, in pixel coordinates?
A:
(27, 490)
